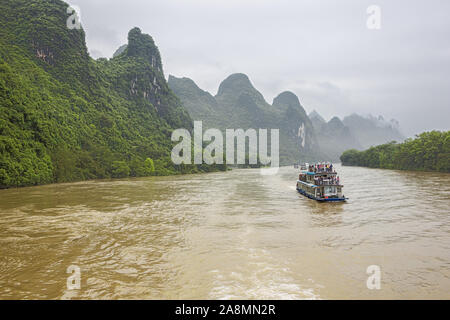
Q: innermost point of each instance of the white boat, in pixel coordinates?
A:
(320, 182)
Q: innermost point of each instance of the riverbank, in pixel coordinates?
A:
(429, 151)
(171, 174)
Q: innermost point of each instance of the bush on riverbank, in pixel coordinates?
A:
(429, 151)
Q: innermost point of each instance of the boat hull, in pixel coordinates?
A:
(321, 199)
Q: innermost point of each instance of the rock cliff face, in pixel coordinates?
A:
(137, 74)
(295, 123)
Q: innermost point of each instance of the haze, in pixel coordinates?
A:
(320, 50)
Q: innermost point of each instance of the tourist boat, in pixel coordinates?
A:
(320, 182)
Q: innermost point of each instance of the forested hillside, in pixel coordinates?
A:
(66, 117)
(429, 151)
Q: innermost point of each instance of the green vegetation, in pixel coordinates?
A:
(66, 117)
(429, 151)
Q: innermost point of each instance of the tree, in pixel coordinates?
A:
(149, 167)
(120, 169)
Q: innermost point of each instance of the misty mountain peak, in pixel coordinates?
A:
(236, 82)
(120, 50)
(237, 89)
(186, 86)
(143, 46)
(287, 99)
(315, 116)
(185, 82)
(335, 123)
(373, 130)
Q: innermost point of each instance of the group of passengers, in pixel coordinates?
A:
(321, 167)
(320, 181)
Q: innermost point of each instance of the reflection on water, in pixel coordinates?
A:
(228, 236)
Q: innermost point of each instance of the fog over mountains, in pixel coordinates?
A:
(238, 104)
(321, 50)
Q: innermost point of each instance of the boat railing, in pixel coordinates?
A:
(326, 183)
(323, 171)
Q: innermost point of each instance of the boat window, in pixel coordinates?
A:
(329, 190)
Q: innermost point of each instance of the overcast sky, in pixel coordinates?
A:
(323, 51)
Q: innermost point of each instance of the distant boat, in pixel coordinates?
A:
(320, 182)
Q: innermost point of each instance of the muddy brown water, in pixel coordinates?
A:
(233, 235)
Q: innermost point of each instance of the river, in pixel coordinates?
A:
(233, 235)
